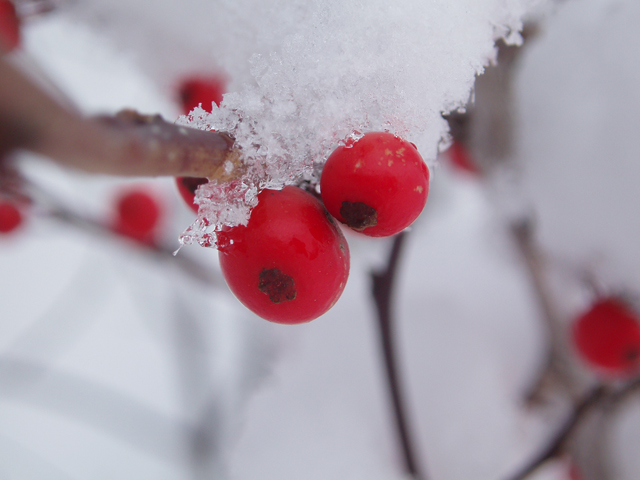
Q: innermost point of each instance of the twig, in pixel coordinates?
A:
(55, 209)
(382, 291)
(558, 441)
(556, 363)
(186, 264)
(127, 144)
(601, 396)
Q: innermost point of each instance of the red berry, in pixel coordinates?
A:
(187, 187)
(290, 263)
(607, 336)
(574, 472)
(201, 90)
(10, 217)
(461, 159)
(9, 25)
(137, 215)
(377, 186)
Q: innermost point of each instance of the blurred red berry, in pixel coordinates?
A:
(377, 185)
(461, 159)
(137, 215)
(607, 336)
(187, 187)
(9, 25)
(10, 217)
(201, 90)
(290, 263)
(574, 472)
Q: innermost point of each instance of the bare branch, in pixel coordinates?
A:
(558, 442)
(601, 399)
(382, 291)
(128, 144)
(557, 365)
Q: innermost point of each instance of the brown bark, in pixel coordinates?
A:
(127, 144)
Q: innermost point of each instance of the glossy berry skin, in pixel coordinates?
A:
(607, 336)
(10, 217)
(9, 26)
(201, 90)
(137, 215)
(378, 186)
(290, 263)
(187, 187)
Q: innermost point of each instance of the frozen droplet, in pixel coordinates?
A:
(352, 138)
(208, 240)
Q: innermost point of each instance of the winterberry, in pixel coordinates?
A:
(290, 263)
(10, 217)
(202, 91)
(461, 160)
(574, 472)
(9, 25)
(377, 185)
(607, 336)
(187, 187)
(137, 215)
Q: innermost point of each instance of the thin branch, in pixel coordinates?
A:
(56, 210)
(559, 440)
(382, 292)
(556, 364)
(601, 396)
(163, 253)
(630, 388)
(128, 144)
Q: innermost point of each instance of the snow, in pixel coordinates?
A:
(128, 354)
(579, 152)
(336, 67)
(580, 147)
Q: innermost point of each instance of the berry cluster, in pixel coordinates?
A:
(290, 263)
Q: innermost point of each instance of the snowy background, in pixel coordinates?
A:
(116, 364)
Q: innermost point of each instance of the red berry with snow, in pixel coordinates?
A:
(201, 90)
(10, 217)
(137, 215)
(187, 187)
(607, 336)
(9, 25)
(290, 263)
(378, 185)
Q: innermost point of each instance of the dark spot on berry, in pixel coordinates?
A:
(279, 286)
(192, 183)
(358, 215)
(632, 355)
(186, 94)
